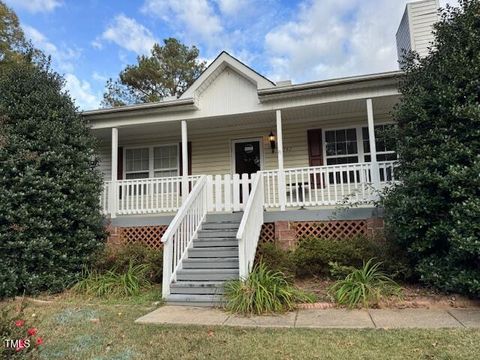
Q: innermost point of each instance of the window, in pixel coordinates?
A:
(385, 149)
(341, 146)
(137, 163)
(165, 161)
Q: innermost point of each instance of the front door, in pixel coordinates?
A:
(247, 156)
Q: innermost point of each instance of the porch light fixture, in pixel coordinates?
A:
(271, 138)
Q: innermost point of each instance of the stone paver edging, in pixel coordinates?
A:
(319, 318)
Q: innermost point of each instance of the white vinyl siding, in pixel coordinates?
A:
(415, 30)
(403, 37)
(212, 146)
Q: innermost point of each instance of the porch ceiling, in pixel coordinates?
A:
(338, 110)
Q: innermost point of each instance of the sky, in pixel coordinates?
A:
(91, 41)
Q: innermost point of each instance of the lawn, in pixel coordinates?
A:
(75, 329)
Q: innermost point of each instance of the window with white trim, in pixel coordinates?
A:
(165, 161)
(137, 163)
(385, 149)
(341, 146)
(148, 162)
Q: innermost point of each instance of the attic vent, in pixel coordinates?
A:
(284, 83)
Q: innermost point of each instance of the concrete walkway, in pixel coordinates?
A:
(328, 318)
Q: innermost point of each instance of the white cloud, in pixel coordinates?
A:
(64, 57)
(81, 92)
(98, 77)
(129, 34)
(196, 18)
(36, 6)
(330, 38)
(232, 7)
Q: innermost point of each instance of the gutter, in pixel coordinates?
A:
(324, 84)
(169, 104)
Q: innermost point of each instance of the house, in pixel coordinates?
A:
(238, 158)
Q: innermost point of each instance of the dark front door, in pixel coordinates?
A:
(247, 157)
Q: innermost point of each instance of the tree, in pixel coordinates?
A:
(434, 212)
(168, 71)
(50, 220)
(13, 45)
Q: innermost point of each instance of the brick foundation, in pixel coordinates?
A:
(286, 234)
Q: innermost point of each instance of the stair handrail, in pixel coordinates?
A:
(182, 230)
(250, 227)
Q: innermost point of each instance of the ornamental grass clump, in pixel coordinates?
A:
(114, 283)
(365, 286)
(263, 291)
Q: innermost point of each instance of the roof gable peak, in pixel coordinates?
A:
(223, 60)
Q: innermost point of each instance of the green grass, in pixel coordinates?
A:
(69, 333)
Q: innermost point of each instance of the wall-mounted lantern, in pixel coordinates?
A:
(271, 138)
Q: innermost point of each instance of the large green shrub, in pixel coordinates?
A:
(50, 221)
(313, 255)
(276, 259)
(434, 212)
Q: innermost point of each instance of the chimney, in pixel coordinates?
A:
(415, 30)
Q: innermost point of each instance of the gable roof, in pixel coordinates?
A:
(223, 60)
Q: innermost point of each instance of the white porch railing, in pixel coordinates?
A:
(182, 230)
(326, 185)
(144, 196)
(250, 227)
(228, 193)
(309, 186)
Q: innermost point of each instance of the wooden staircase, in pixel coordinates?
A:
(211, 261)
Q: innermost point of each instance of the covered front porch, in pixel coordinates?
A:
(314, 156)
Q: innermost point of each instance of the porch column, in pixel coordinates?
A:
(113, 188)
(373, 147)
(281, 172)
(184, 160)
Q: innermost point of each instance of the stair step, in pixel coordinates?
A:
(211, 263)
(195, 300)
(224, 217)
(196, 287)
(220, 225)
(213, 252)
(224, 233)
(215, 242)
(207, 274)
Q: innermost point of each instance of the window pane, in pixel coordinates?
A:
(352, 147)
(329, 136)
(341, 148)
(340, 135)
(365, 133)
(165, 173)
(165, 157)
(366, 146)
(331, 149)
(352, 134)
(136, 159)
(142, 175)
